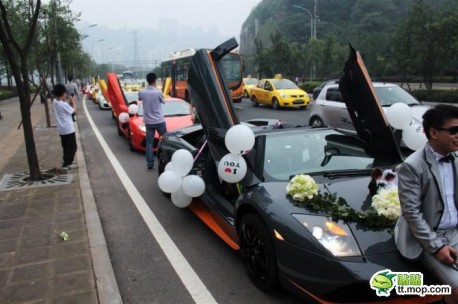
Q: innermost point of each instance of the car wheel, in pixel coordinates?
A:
(119, 129)
(254, 101)
(316, 122)
(245, 94)
(258, 253)
(275, 104)
(130, 141)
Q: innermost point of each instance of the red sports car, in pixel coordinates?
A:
(177, 114)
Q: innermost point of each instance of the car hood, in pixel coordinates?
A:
(176, 122)
(291, 92)
(365, 110)
(277, 202)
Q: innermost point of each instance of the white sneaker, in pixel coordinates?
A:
(70, 167)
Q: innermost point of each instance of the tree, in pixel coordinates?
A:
(424, 40)
(23, 17)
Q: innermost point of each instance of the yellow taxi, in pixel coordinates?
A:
(248, 83)
(278, 93)
(134, 85)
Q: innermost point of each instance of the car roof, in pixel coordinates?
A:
(375, 84)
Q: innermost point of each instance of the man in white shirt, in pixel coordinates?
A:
(63, 113)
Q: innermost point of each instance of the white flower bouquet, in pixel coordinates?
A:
(386, 203)
(302, 187)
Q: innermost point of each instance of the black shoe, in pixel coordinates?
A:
(150, 167)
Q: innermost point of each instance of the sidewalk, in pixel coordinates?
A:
(36, 265)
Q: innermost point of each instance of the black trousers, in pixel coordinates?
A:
(69, 146)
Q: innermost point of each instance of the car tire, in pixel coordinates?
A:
(245, 94)
(258, 253)
(275, 104)
(119, 129)
(316, 122)
(130, 141)
(254, 101)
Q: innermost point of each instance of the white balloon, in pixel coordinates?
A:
(182, 162)
(169, 181)
(193, 185)
(239, 139)
(180, 198)
(123, 117)
(133, 109)
(399, 115)
(414, 137)
(168, 167)
(232, 168)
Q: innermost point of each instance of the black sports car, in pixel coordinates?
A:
(304, 250)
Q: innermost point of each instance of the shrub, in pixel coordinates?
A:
(308, 86)
(439, 96)
(5, 94)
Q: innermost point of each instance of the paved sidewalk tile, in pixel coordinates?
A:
(36, 265)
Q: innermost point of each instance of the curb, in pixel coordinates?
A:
(106, 285)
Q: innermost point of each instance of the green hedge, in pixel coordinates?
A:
(5, 94)
(440, 96)
(308, 86)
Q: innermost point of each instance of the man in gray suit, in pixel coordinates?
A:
(427, 229)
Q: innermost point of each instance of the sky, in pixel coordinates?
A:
(225, 17)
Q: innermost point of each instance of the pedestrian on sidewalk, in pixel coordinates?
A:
(153, 116)
(63, 113)
(72, 91)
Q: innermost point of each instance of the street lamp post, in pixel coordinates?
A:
(311, 19)
(93, 47)
(84, 36)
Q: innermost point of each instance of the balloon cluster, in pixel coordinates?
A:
(239, 140)
(175, 179)
(399, 116)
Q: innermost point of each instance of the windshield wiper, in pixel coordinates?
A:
(349, 172)
(339, 173)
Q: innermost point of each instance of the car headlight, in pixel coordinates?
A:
(283, 95)
(143, 128)
(334, 236)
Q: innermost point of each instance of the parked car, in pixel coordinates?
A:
(278, 93)
(317, 90)
(177, 113)
(248, 83)
(301, 248)
(329, 108)
(104, 104)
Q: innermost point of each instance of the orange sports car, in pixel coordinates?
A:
(177, 114)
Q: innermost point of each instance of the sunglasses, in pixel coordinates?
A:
(452, 130)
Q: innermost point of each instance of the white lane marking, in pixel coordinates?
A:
(187, 275)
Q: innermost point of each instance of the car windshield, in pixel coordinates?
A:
(317, 151)
(171, 108)
(131, 96)
(393, 94)
(281, 84)
(251, 81)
